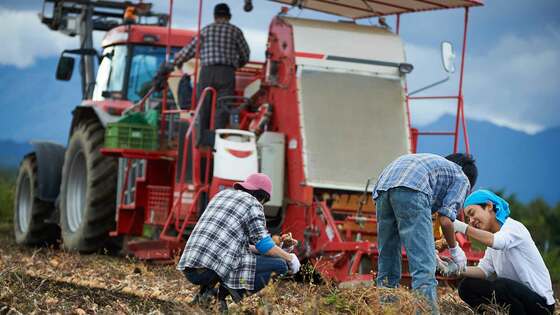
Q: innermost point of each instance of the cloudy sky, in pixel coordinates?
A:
(511, 76)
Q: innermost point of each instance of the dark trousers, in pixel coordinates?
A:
(519, 298)
(221, 78)
(205, 278)
(265, 268)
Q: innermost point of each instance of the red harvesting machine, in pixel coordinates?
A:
(322, 115)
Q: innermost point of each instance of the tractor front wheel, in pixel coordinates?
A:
(31, 215)
(88, 190)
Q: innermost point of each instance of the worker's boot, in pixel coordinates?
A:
(223, 292)
(223, 307)
(204, 296)
(222, 303)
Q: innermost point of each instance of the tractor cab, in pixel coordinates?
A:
(130, 57)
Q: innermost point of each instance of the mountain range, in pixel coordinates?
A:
(12, 152)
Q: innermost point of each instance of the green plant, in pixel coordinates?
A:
(340, 303)
(552, 261)
(7, 190)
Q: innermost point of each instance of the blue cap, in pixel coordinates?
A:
(482, 196)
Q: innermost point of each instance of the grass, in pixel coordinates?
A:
(29, 294)
(7, 191)
(49, 280)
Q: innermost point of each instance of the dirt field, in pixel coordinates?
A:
(48, 280)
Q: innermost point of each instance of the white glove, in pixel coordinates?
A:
(460, 226)
(446, 266)
(294, 264)
(458, 256)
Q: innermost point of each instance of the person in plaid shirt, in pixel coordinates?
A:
(223, 49)
(230, 244)
(406, 194)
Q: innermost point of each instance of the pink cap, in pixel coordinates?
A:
(255, 182)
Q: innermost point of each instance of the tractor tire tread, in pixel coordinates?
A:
(39, 231)
(99, 215)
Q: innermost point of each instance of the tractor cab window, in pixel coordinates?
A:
(111, 73)
(144, 66)
(118, 69)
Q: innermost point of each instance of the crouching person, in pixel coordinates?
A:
(523, 281)
(230, 244)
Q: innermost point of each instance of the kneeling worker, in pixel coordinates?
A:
(523, 281)
(220, 247)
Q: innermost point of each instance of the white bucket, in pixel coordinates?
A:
(235, 155)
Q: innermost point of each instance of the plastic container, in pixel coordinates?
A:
(271, 147)
(235, 156)
(131, 136)
(159, 203)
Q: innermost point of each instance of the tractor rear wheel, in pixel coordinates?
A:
(88, 190)
(31, 226)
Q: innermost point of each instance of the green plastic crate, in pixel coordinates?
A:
(131, 136)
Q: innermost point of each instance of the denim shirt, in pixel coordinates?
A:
(441, 180)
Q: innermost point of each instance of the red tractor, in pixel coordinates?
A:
(322, 116)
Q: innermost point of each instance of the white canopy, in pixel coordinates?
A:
(358, 9)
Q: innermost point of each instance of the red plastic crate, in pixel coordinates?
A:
(159, 203)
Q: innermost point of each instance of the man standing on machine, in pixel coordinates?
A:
(223, 49)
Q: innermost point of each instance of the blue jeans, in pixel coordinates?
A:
(404, 216)
(266, 266)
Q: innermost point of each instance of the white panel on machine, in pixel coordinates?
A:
(351, 100)
(271, 153)
(346, 46)
(352, 125)
(236, 154)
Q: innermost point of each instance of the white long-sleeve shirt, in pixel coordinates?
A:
(515, 256)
